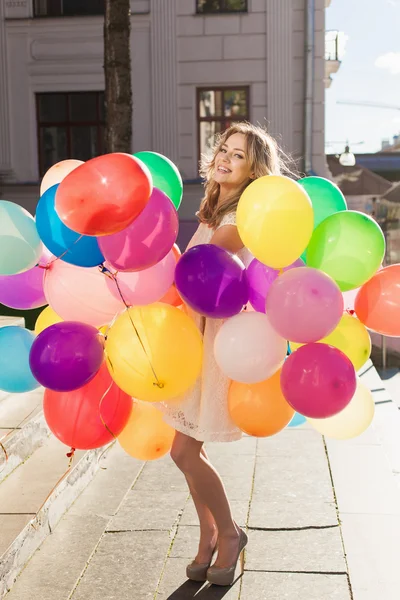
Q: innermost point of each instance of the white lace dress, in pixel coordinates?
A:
(203, 412)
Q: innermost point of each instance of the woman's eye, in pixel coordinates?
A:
(239, 155)
(223, 150)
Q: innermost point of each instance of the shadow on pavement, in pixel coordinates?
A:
(191, 589)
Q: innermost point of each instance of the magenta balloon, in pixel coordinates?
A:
(66, 356)
(260, 278)
(147, 240)
(318, 380)
(25, 290)
(304, 305)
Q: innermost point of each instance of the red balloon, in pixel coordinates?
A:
(104, 195)
(377, 303)
(81, 419)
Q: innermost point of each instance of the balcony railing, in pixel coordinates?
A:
(67, 8)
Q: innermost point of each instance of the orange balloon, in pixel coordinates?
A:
(377, 304)
(172, 297)
(104, 195)
(176, 251)
(146, 436)
(259, 409)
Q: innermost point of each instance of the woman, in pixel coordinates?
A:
(243, 153)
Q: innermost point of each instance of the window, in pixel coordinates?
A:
(70, 125)
(220, 6)
(217, 109)
(67, 8)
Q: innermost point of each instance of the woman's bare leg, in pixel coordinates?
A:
(186, 453)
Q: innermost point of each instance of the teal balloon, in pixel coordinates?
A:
(15, 372)
(165, 174)
(297, 420)
(20, 245)
(326, 197)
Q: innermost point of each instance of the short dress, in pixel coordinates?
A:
(203, 411)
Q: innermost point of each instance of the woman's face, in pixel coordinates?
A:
(232, 164)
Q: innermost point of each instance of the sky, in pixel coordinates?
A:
(370, 71)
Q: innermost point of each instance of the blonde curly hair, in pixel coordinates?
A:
(265, 159)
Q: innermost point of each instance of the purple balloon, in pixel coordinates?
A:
(212, 281)
(260, 278)
(318, 380)
(24, 290)
(66, 356)
(147, 240)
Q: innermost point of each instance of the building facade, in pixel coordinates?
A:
(197, 65)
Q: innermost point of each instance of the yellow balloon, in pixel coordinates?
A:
(146, 436)
(46, 318)
(351, 337)
(275, 220)
(154, 352)
(351, 421)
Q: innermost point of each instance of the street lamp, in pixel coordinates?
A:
(347, 159)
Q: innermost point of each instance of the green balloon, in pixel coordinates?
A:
(20, 245)
(326, 197)
(166, 176)
(349, 246)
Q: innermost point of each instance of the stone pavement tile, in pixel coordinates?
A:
(353, 469)
(291, 442)
(313, 550)
(175, 586)
(246, 445)
(292, 492)
(10, 527)
(125, 566)
(14, 408)
(294, 586)
(239, 510)
(233, 465)
(149, 510)
(372, 545)
(238, 488)
(160, 476)
(186, 542)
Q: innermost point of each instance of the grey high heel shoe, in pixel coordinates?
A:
(198, 571)
(226, 575)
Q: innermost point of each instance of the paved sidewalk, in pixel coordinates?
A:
(133, 530)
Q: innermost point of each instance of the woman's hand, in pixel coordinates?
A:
(228, 237)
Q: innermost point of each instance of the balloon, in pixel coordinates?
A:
(212, 281)
(377, 304)
(147, 240)
(15, 373)
(318, 380)
(275, 220)
(352, 338)
(297, 420)
(104, 195)
(70, 246)
(23, 291)
(172, 297)
(90, 416)
(260, 278)
(349, 246)
(80, 294)
(154, 352)
(304, 305)
(165, 174)
(247, 348)
(147, 286)
(66, 356)
(58, 172)
(326, 197)
(46, 318)
(259, 409)
(353, 420)
(20, 245)
(146, 436)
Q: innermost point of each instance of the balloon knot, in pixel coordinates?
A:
(351, 312)
(71, 453)
(159, 384)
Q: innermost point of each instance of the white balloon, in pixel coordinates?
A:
(248, 349)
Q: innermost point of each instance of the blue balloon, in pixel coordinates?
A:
(15, 372)
(82, 251)
(297, 420)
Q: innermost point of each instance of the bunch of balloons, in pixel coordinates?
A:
(309, 252)
(100, 255)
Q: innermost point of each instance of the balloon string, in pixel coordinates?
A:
(61, 255)
(113, 276)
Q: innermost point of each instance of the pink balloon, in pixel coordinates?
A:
(318, 380)
(80, 294)
(304, 305)
(147, 240)
(145, 287)
(260, 278)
